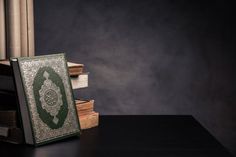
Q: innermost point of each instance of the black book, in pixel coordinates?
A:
(8, 100)
(6, 79)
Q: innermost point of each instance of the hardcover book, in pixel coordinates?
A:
(13, 135)
(84, 107)
(89, 121)
(75, 69)
(78, 78)
(45, 98)
(80, 82)
(8, 118)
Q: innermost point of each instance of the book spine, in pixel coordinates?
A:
(8, 118)
(13, 28)
(4, 131)
(30, 25)
(24, 29)
(89, 121)
(2, 31)
(22, 107)
(85, 106)
(15, 135)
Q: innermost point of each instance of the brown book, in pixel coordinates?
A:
(8, 118)
(75, 69)
(14, 135)
(84, 107)
(89, 121)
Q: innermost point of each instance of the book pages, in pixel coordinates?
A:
(80, 82)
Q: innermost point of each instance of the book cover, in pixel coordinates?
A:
(8, 100)
(7, 83)
(13, 135)
(6, 79)
(45, 98)
(77, 68)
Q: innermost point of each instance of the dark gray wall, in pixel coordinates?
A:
(149, 56)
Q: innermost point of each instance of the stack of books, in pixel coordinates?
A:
(85, 108)
(87, 116)
(10, 130)
(10, 127)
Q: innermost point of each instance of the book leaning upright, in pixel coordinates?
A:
(46, 102)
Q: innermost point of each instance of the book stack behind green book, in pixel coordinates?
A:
(19, 89)
(88, 118)
(38, 106)
(10, 130)
(85, 108)
(45, 98)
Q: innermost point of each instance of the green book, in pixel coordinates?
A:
(46, 102)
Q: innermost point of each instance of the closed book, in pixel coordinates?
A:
(75, 69)
(13, 135)
(45, 98)
(84, 106)
(89, 121)
(80, 82)
(8, 100)
(7, 83)
(8, 118)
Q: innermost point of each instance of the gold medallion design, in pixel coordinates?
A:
(50, 97)
(56, 103)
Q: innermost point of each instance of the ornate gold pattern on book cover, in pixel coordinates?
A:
(49, 96)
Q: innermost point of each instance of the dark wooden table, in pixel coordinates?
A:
(159, 136)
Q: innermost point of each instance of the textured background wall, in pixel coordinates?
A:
(149, 56)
